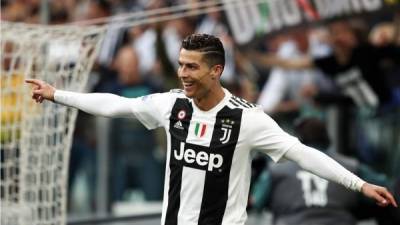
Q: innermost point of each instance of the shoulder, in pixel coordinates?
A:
(172, 94)
(237, 102)
(160, 105)
(175, 94)
(252, 114)
(163, 99)
(249, 109)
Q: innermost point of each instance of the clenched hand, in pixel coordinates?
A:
(41, 90)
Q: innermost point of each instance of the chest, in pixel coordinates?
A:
(203, 141)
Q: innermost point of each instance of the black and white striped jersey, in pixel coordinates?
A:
(208, 168)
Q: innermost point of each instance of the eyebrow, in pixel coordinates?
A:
(190, 64)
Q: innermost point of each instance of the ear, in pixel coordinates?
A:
(217, 70)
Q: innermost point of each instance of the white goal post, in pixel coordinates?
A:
(36, 138)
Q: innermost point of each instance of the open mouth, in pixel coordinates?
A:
(187, 84)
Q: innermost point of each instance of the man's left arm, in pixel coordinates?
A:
(322, 165)
(270, 139)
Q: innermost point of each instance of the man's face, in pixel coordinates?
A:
(195, 74)
(342, 35)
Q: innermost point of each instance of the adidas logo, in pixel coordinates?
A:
(178, 125)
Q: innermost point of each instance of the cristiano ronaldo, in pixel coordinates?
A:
(211, 134)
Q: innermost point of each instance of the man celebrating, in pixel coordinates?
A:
(210, 136)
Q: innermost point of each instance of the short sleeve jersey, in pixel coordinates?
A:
(208, 166)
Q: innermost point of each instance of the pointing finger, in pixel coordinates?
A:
(389, 197)
(33, 81)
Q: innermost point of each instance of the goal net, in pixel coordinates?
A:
(36, 138)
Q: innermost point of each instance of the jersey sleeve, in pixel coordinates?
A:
(266, 136)
(152, 110)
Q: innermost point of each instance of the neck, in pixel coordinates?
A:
(210, 99)
(343, 55)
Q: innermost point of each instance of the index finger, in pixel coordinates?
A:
(33, 81)
(389, 197)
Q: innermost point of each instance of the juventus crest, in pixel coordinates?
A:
(227, 125)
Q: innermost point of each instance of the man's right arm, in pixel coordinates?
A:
(99, 104)
(303, 62)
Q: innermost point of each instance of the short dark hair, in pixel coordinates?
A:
(211, 46)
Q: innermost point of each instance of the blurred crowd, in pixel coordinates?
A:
(294, 73)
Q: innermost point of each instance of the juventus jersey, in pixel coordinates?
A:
(208, 167)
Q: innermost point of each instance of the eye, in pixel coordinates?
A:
(192, 66)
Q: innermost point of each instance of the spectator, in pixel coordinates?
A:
(20, 11)
(98, 9)
(83, 161)
(309, 199)
(212, 23)
(354, 64)
(169, 37)
(287, 91)
(133, 147)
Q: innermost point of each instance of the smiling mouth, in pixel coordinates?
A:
(187, 84)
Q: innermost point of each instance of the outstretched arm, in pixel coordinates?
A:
(99, 104)
(320, 164)
(270, 60)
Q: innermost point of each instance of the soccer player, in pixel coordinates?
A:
(210, 136)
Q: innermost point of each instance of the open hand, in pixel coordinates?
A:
(41, 90)
(381, 195)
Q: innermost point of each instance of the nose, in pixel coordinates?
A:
(182, 73)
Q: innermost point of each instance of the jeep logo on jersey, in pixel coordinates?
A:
(209, 161)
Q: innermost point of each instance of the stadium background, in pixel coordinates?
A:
(117, 166)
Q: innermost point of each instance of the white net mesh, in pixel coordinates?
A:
(36, 138)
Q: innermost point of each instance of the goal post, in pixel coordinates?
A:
(36, 138)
